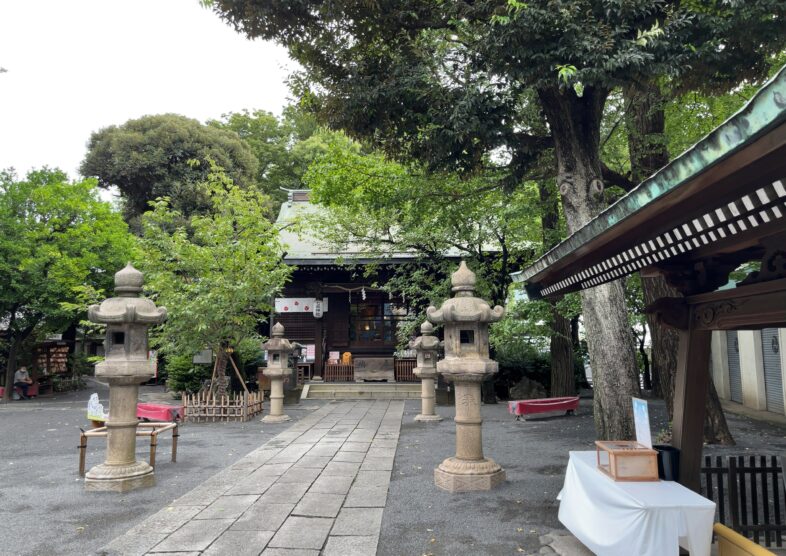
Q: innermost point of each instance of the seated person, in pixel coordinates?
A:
(22, 381)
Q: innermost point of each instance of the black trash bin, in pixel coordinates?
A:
(668, 462)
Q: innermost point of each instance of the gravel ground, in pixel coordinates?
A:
(520, 517)
(44, 508)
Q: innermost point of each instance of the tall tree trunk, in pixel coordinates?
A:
(10, 368)
(645, 359)
(645, 119)
(563, 382)
(575, 127)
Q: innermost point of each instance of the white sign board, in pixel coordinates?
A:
(641, 416)
(318, 309)
(204, 357)
(298, 305)
(311, 353)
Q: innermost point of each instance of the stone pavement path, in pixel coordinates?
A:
(319, 487)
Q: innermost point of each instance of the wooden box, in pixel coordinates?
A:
(624, 460)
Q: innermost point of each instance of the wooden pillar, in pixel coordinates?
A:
(690, 391)
(318, 355)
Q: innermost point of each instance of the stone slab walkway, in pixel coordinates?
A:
(319, 487)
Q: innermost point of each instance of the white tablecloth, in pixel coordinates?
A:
(632, 518)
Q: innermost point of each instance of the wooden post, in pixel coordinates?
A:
(690, 391)
(175, 434)
(153, 444)
(318, 355)
(82, 448)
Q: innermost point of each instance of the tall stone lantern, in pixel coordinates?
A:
(127, 317)
(466, 320)
(278, 351)
(427, 348)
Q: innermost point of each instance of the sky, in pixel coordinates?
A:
(76, 66)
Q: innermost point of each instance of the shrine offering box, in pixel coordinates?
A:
(624, 460)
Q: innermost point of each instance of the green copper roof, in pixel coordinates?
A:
(766, 110)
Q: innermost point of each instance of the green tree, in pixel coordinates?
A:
(217, 273)
(56, 238)
(283, 147)
(453, 83)
(165, 155)
(390, 208)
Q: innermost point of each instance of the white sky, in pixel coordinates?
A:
(75, 66)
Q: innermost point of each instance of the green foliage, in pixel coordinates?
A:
(185, 376)
(165, 156)
(218, 274)
(389, 208)
(56, 239)
(283, 147)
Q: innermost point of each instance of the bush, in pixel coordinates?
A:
(183, 375)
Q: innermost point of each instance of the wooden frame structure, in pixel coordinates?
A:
(719, 205)
(151, 430)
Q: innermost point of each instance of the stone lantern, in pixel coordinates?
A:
(466, 319)
(126, 365)
(427, 348)
(278, 352)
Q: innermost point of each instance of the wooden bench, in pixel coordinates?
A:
(32, 390)
(543, 405)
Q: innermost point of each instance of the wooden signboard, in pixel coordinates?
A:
(627, 460)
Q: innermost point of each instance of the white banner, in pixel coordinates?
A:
(298, 304)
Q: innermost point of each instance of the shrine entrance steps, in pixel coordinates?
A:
(361, 391)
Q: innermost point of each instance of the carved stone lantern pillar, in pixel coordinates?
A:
(278, 352)
(466, 319)
(127, 317)
(427, 347)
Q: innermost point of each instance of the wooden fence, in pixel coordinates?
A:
(204, 406)
(338, 373)
(749, 494)
(402, 369)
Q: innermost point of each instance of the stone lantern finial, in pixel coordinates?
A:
(278, 330)
(463, 280)
(426, 329)
(128, 281)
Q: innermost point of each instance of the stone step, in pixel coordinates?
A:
(361, 391)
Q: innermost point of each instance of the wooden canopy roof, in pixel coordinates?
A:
(719, 204)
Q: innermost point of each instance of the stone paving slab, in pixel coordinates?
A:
(319, 487)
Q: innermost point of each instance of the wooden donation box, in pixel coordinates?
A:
(624, 460)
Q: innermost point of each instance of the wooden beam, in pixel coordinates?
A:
(690, 390)
(756, 306)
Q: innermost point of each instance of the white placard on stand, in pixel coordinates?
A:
(641, 416)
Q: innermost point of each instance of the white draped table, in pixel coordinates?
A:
(616, 518)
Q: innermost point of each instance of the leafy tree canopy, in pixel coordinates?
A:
(56, 238)
(165, 155)
(283, 147)
(392, 208)
(218, 273)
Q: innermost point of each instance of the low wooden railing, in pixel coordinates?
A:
(338, 373)
(402, 370)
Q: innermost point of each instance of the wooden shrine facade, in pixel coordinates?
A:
(715, 208)
(341, 316)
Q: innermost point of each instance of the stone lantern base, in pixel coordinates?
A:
(455, 475)
(422, 417)
(119, 478)
(276, 418)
